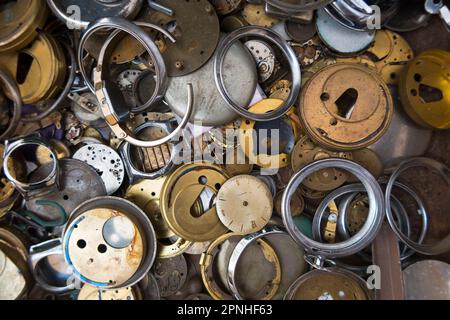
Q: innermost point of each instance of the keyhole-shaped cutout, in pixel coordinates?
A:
(23, 67)
(430, 94)
(346, 103)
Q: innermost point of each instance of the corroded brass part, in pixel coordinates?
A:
(94, 258)
(235, 166)
(146, 194)
(247, 143)
(306, 152)
(38, 69)
(255, 15)
(335, 284)
(179, 195)
(357, 214)
(309, 71)
(393, 53)
(231, 23)
(425, 89)
(345, 107)
(331, 224)
(19, 23)
(280, 90)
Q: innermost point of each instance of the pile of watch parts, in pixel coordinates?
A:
(222, 149)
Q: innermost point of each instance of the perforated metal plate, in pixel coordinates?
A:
(195, 26)
(106, 161)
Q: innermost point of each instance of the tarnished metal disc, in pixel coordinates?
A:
(255, 15)
(427, 280)
(106, 161)
(258, 271)
(181, 192)
(148, 287)
(244, 204)
(19, 23)
(410, 16)
(345, 107)
(240, 76)
(291, 257)
(146, 194)
(195, 26)
(335, 284)
(88, 252)
(224, 7)
(79, 182)
(38, 69)
(170, 274)
(306, 152)
(393, 54)
(298, 31)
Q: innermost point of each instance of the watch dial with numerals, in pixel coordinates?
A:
(244, 204)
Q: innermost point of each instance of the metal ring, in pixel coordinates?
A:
(111, 116)
(136, 32)
(398, 210)
(63, 94)
(352, 190)
(13, 90)
(108, 112)
(288, 52)
(207, 261)
(41, 251)
(364, 236)
(131, 211)
(29, 190)
(428, 249)
(237, 252)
